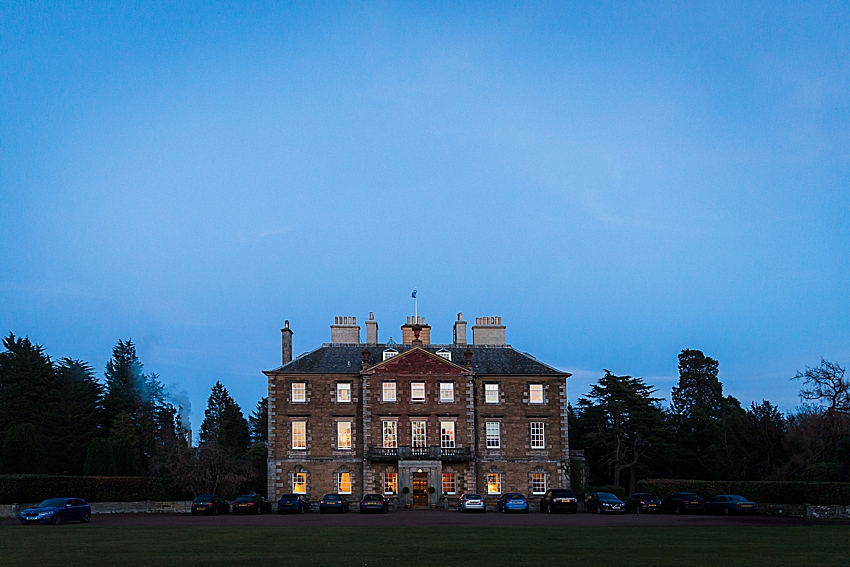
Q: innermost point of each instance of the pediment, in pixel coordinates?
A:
(419, 362)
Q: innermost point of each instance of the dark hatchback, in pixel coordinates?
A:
(643, 502)
(374, 503)
(683, 503)
(603, 502)
(57, 511)
(210, 504)
(293, 504)
(730, 504)
(333, 503)
(251, 504)
(559, 500)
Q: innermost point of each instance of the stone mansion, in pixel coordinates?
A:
(416, 421)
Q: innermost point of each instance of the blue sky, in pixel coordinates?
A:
(617, 181)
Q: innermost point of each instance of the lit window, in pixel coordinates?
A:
(390, 483)
(447, 434)
(447, 354)
(494, 438)
(389, 353)
(538, 483)
(491, 393)
(449, 486)
(538, 438)
(299, 392)
(343, 435)
(494, 483)
(389, 392)
(418, 437)
(535, 393)
(417, 391)
(343, 392)
(299, 434)
(344, 483)
(299, 483)
(390, 434)
(447, 391)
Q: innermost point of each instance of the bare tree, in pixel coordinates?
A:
(825, 385)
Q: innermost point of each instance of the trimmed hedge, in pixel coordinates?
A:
(760, 491)
(617, 491)
(20, 488)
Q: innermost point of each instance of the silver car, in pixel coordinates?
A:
(470, 502)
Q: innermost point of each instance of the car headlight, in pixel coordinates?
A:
(45, 514)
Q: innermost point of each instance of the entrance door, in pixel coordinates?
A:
(420, 490)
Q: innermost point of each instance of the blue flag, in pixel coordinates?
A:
(413, 295)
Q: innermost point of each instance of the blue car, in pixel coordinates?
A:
(57, 511)
(333, 503)
(293, 503)
(512, 502)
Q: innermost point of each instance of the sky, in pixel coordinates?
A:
(617, 181)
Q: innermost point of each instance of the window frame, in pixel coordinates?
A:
(424, 397)
(448, 441)
(488, 425)
(384, 388)
(537, 440)
(452, 482)
(393, 434)
(298, 436)
(340, 436)
(339, 484)
(490, 388)
(292, 397)
(450, 389)
(296, 484)
(531, 388)
(497, 482)
(414, 434)
(541, 477)
(391, 482)
(343, 387)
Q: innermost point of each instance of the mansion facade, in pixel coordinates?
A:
(418, 422)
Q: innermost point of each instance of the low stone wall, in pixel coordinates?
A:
(805, 511)
(146, 507)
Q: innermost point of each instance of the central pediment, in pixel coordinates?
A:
(419, 362)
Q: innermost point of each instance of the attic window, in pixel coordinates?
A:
(389, 353)
(447, 354)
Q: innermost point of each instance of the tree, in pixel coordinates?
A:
(79, 418)
(623, 422)
(825, 385)
(98, 458)
(767, 428)
(259, 421)
(22, 450)
(224, 423)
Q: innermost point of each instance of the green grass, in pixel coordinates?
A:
(92, 545)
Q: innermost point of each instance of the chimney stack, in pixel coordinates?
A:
(408, 335)
(345, 330)
(371, 330)
(488, 331)
(460, 330)
(286, 342)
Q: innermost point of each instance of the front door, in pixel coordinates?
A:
(420, 490)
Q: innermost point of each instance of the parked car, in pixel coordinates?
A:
(642, 502)
(294, 503)
(374, 503)
(471, 503)
(512, 502)
(57, 511)
(606, 502)
(730, 504)
(251, 504)
(683, 503)
(559, 500)
(210, 504)
(333, 503)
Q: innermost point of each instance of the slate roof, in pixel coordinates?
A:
(486, 359)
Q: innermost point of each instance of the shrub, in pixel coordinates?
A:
(35, 488)
(761, 491)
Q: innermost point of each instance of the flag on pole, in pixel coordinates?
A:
(413, 295)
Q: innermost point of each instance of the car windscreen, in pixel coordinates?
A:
(473, 497)
(607, 496)
(563, 494)
(332, 497)
(736, 498)
(244, 498)
(373, 497)
(289, 497)
(205, 498)
(52, 503)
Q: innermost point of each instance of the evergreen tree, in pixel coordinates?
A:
(98, 458)
(260, 422)
(224, 425)
(22, 450)
(80, 416)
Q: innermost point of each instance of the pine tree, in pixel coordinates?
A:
(224, 424)
(260, 422)
(98, 458)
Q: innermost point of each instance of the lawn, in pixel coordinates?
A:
(92, 545)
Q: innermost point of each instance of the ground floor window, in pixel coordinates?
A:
(449, 485)
(390, 483)
(494, 483)
(538, 483)
(299, 483)
(344, 483)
